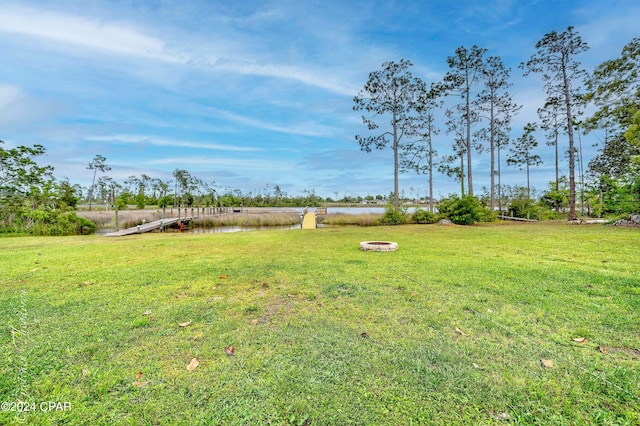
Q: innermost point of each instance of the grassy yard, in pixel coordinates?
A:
(301, 327)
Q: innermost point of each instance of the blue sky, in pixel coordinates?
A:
(252, 94)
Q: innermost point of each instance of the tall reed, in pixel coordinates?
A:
(365, 219)
(248, 219)
(126, 218)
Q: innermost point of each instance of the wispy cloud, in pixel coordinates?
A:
(296, 73)
(17, 108)
(224, 163)
(308, 128)
(118, 38)
(8, 95)
(122, 38)
(153, 140)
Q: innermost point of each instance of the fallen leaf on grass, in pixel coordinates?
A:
(460, 332)
(33, 270)
(547, 363)
(223, 277)
(197, 336)
(193, 364)
(138, 375)
(185, 324)
(580, 339)
(229, 350)
(140, 384)
(254, 322)
(602, 349)
(476, 366)
(146, 313)
(265, 285)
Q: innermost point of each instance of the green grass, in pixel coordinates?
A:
(449, 329)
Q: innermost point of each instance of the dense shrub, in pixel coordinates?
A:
(462, 211)
(392, 216)
(42, 222)
(423, 217)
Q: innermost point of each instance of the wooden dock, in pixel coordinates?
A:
(520, 219)
(148, 227)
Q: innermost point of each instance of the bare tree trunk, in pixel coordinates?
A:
(492, 149)
(461, 175)
(572, 158)
(430, 178)
(396, 201)
(557, 171)
(468, 107)
(499, 186)
(93, 181)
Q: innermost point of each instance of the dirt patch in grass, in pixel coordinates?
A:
(278, 308)
(634, 353)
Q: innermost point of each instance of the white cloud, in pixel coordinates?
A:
(8, 95)
(117, 38)
(308, 128)
(18, 108)
(286, 72)
(121, 38)
(153, 140)
(225, 163)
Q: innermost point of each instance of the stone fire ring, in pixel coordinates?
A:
(378, 246)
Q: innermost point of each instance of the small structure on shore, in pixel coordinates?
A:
(152, 226)
(309, 220)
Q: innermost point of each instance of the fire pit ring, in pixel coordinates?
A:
(378, 246)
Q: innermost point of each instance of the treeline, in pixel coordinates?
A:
(32, 200)
(399, 110)
(187, 190)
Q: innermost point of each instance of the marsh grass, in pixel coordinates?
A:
(366, 219)
(248, 219)
(449, 329)
(129, 218)
(126, 218)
